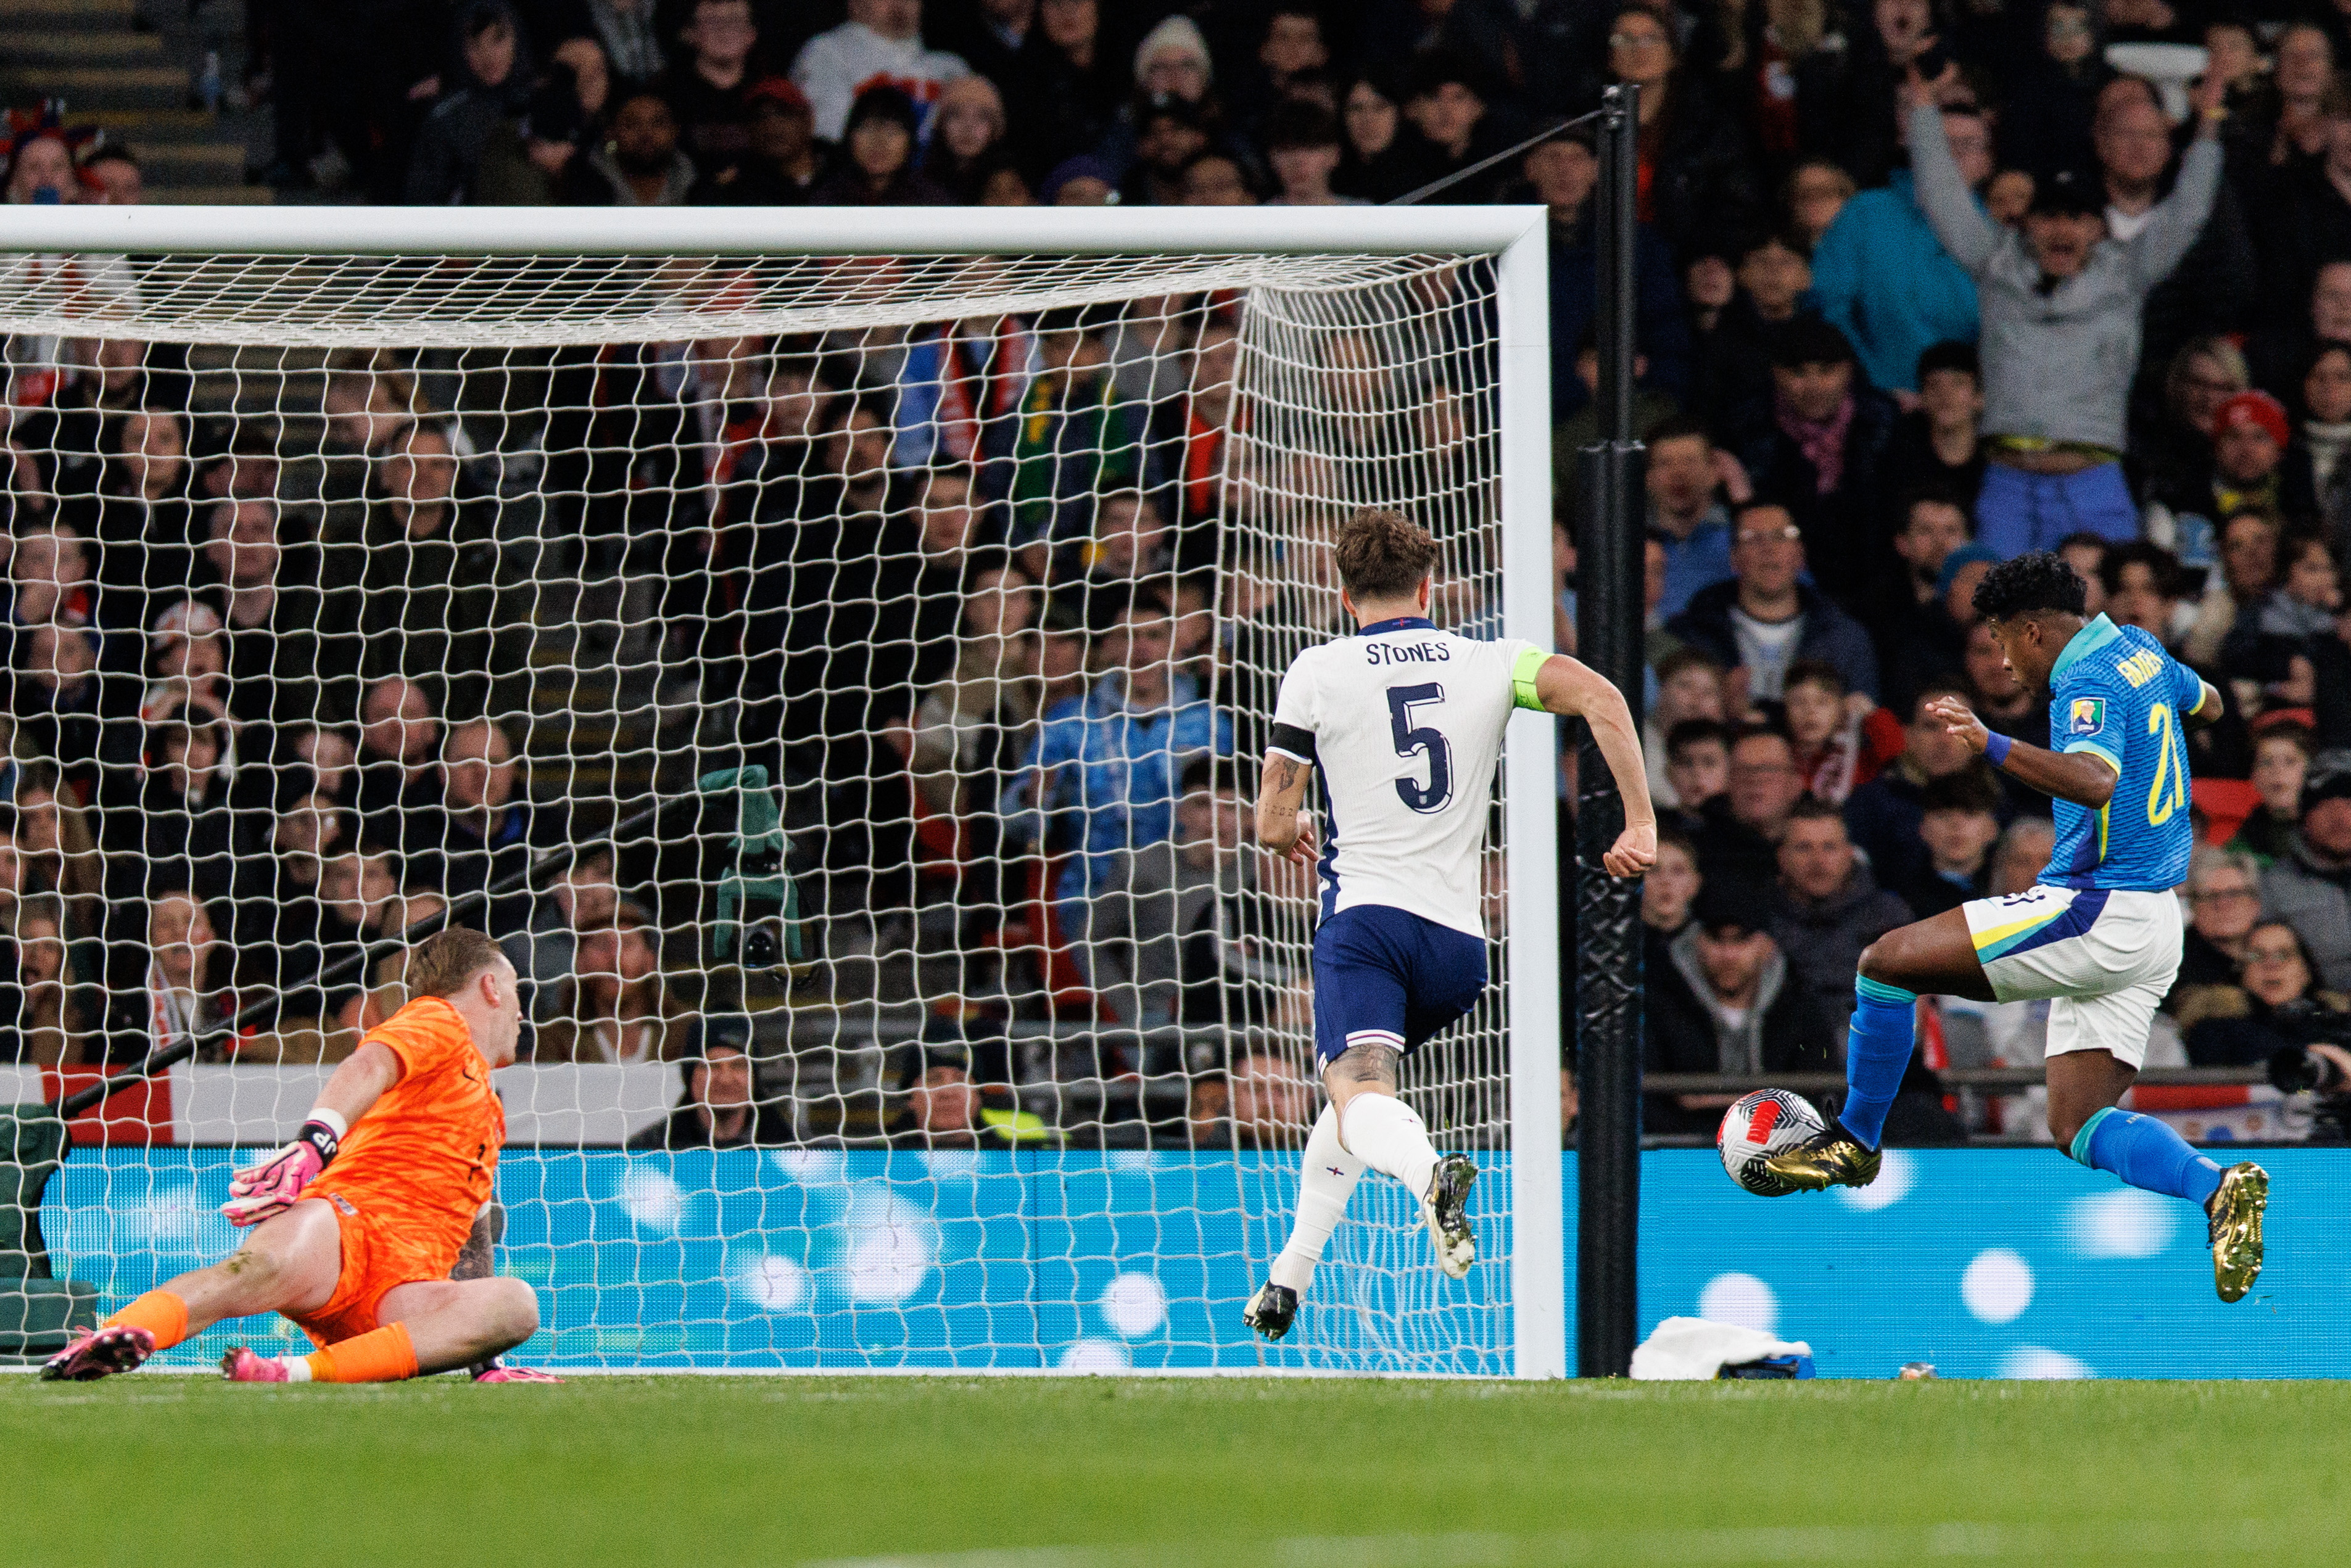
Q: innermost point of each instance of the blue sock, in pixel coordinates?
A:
(1876, 1054)
(2145, 1153)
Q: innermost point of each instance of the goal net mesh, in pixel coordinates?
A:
(345, 587)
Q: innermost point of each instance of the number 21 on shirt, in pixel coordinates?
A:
(2169, 791)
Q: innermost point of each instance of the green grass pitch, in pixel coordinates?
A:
(960, 1472)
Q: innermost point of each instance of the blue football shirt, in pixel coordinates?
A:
(2117, 693)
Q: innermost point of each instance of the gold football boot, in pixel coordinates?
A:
(1830, 1157)
(2235, 1216)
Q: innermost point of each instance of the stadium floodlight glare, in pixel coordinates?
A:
(706, 517)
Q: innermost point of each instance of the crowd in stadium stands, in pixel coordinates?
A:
(1919, 286)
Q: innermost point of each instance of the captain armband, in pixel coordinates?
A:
(1292, 742)
(1523, 672)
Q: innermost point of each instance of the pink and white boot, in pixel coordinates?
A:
(241, 1366)
(496, 1373)
(99, 1353)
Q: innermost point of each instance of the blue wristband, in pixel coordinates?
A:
(1996, 747)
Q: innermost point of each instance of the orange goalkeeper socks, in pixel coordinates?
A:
(382, 1355)
(160, 1312)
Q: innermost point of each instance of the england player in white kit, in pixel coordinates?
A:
(1403, 724)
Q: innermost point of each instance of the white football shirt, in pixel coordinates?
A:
(1407, 723)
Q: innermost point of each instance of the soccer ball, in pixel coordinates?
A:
(1759, 1126)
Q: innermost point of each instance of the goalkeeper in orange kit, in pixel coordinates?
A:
(357, 1222)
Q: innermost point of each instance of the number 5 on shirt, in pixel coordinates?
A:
(1410, 739)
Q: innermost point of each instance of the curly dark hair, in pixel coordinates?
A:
(2040, 582)
(1384, 556)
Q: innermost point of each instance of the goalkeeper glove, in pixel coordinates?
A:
(273, 1185)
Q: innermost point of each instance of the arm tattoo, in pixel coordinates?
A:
(474, 1260)
(1285, 773)
(1364, 1066)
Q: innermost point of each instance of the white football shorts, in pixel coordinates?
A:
(2102, 957)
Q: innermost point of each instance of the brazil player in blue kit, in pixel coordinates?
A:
(2099, 935)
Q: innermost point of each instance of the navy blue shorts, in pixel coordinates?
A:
(1385, 977)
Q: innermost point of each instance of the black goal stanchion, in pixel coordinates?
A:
(1607, 1017)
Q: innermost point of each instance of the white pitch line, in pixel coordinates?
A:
(1951, 1540)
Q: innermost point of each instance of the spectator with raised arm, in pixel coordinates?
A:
(2060, 303)
(2215, 287)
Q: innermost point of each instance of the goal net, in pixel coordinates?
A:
(835, 670)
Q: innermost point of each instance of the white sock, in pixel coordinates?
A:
(1326, 1180)
(1388, 1135)
(297, 1369)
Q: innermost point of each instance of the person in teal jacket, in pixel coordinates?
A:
(1884, 280)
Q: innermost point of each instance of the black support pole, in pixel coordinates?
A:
(1607, 910)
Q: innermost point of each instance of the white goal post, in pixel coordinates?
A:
(1380, 352)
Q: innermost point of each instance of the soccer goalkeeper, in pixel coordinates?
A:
(357, 1222)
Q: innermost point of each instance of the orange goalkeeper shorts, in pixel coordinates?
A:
(373, 1264)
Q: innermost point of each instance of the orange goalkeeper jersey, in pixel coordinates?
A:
(420, 1160)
